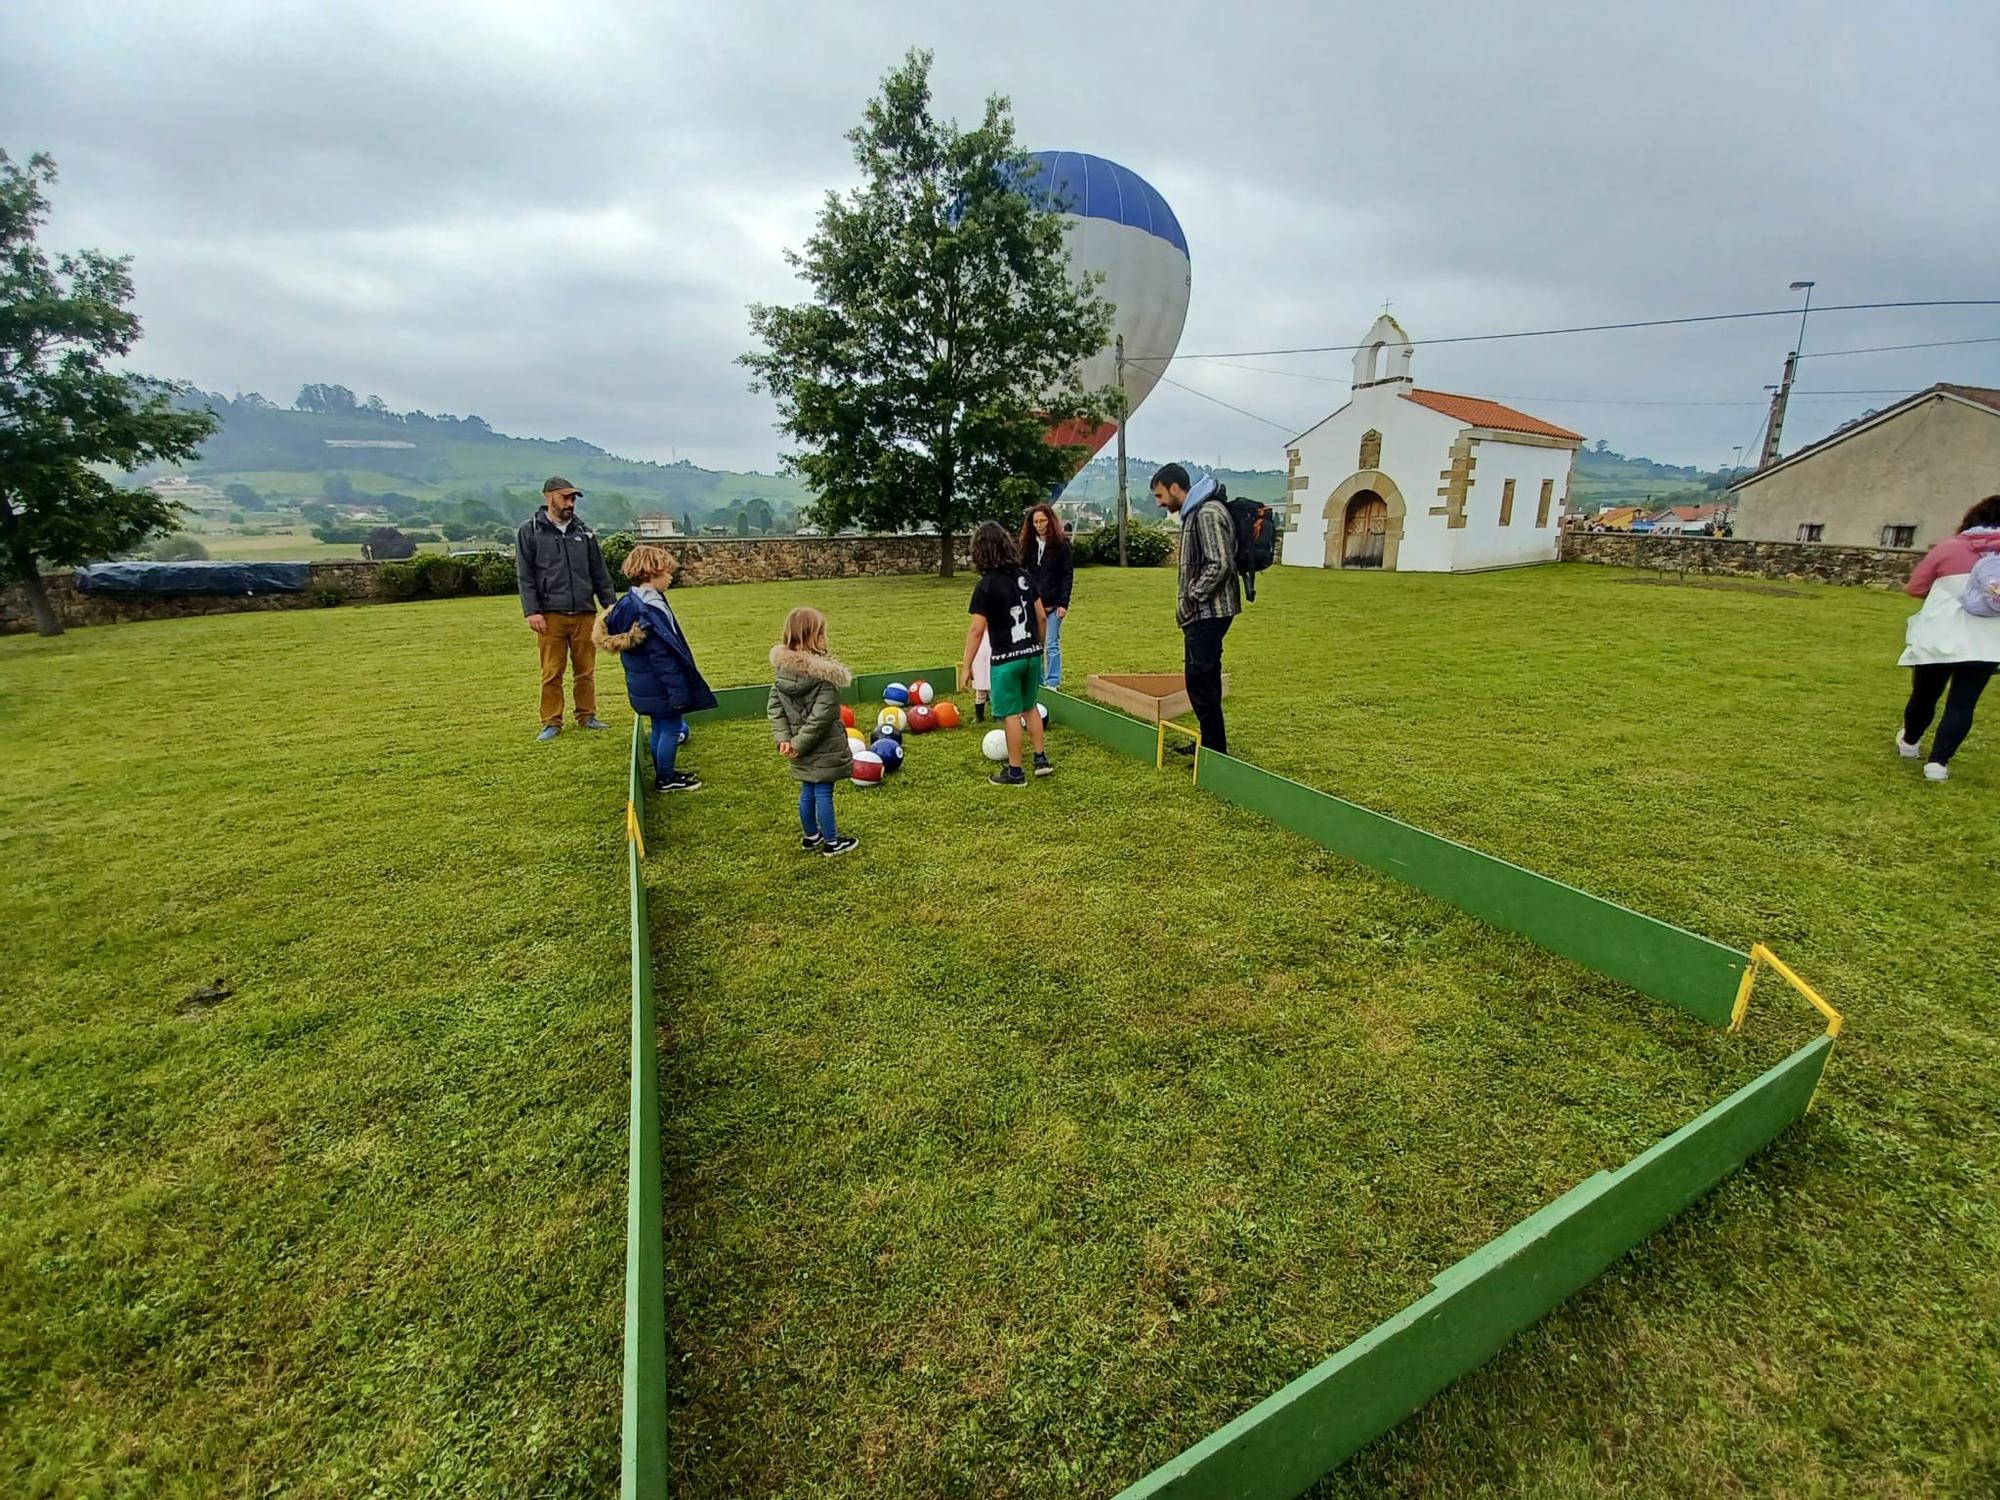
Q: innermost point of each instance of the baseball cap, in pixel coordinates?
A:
(555, 484)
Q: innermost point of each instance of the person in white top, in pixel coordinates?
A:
(1951, 651)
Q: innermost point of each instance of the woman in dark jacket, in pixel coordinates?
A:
(661, 678)
(1051, 563)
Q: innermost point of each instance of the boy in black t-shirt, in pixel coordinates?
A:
(1007, 612)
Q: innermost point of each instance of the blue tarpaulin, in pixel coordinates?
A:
(185, 578)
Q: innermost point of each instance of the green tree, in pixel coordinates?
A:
(243, 497)
(62, 413)
(944, 331)
(178, 549)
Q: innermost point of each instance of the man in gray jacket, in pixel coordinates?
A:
(561, 571)
(1210, 595)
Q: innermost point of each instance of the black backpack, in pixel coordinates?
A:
(1256, 538)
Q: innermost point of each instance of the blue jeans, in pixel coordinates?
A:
(666, 739)
(1052, 653)
(816, 809)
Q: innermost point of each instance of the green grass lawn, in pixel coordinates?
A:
(358, 1227)
(1022, 1147)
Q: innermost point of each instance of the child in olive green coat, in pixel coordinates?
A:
(805, 719)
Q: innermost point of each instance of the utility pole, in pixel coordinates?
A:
(1775, 428)
(1121, 449)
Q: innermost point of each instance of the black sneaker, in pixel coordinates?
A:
(680, 781)
(1185, 747)
(1008, 776)
(1042, 766)
(839, 846)
(811, 841)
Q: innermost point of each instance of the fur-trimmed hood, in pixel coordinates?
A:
(790, 663)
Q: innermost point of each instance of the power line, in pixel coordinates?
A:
(1542, 333)
(1891, 348)
(1287, 428)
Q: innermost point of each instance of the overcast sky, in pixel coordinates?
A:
(553, 215)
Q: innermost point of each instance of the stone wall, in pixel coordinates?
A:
(353, 580)
(764, 559)
(1874, 567)
(756, 560)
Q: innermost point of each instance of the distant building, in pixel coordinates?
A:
(1618, 518)
(366, 443)
(1900, 477)
(1690, 520)
(658, 527)
(1423, 481)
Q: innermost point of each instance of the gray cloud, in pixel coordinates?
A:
(553, 216)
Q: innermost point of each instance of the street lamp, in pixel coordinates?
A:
(1806, 287)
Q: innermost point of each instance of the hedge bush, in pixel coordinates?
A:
(398, 580)
(1145, 547)
(493, 573)
(617, 547)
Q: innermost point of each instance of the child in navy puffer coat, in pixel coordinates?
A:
(661, 678)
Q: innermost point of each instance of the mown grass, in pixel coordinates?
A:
(358, 1229)
(1017, 1150)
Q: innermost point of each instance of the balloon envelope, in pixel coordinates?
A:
(1119, 225)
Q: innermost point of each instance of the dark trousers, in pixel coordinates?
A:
(1966, 681)
(1202, 659)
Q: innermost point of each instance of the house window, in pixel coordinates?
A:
(1507, 503)
(1542, 505)
(1899, 536)
(1812, 531)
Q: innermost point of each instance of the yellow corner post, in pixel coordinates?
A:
(1160, 751)
(1761, 957)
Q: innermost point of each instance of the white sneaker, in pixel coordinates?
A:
(1935, 772)
(1905, 749)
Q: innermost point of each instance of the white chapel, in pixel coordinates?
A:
(1423, 481)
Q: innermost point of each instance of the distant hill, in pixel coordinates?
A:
(333, 448)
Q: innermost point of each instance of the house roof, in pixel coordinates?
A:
(1691, 512)
(1982, 398)
(1475, 411)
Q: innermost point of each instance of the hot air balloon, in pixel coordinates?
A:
(1119, 226)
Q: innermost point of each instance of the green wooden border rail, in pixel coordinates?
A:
(1286, 1443)
(643, 1465)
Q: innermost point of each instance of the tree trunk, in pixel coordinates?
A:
(16, 552)
(945, 559)
(46, 622)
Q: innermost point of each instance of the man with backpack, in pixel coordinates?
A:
(1210, 595)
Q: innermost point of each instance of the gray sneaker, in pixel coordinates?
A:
(593, 722)
(549, 732)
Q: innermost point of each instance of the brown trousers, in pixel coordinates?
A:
(568, 638)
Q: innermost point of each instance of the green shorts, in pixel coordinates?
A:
(1015, 685)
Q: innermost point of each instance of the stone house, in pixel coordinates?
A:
(1900, 477)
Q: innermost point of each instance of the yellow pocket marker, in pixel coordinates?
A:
(632, 827)
(1760, 956)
